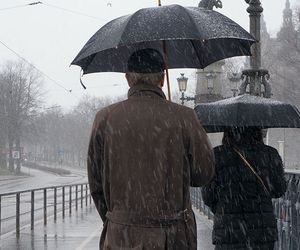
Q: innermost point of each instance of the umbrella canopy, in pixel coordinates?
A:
(247, 111)
(194, 38)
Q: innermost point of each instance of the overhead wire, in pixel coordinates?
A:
(52, 6)
(20, 6)
(56, 7)
(47, 76)
(21, 57)
(72, 11)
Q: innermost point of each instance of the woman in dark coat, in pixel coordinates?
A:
(242, 205)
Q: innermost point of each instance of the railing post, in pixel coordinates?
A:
(70, 199)
(198, 202)
(81, 200)
(90, 197)
(18, 214)
(201, 203)
(86, 195)
(45, 206)
(63, 202)
(293, 198)
(76, 197)
(55, 204)
(32, 211)
(0, 214)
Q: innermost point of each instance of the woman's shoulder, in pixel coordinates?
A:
(219, 149)
(222, 151)
(267, 148)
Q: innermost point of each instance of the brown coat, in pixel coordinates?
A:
(144, 154)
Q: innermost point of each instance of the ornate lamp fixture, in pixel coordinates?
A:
(182, 84)
(234, 79)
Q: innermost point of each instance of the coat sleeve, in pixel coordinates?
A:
(200, 154)
(210, 195)
(210, 192)
(95, 167)
(277, 182)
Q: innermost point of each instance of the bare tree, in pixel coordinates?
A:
(3, 125)
(62, 137)
(281, 56)
(21, 85)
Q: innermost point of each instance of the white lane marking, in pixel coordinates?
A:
(8, 234)
(88, 239)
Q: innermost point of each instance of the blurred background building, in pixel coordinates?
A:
(281, 58)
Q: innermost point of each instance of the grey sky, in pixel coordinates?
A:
(50, 38)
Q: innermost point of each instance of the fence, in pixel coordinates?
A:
(42, 203)
(59, 199)
(286, 209)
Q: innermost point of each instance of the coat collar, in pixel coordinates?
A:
(142, 89)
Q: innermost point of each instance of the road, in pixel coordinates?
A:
(39, 179)
(36, 179)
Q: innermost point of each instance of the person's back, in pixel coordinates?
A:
(146, 140)
(243, 211)
(144, 153)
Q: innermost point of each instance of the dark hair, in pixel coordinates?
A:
(242, 136)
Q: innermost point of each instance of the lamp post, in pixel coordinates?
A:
(182, 84)
(234, 79)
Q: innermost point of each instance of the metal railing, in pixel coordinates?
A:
(197, 201)
(44, 203)
(286, 209)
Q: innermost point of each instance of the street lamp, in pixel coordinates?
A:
(182, 84)
(234, 79)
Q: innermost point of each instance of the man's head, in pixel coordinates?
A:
(145, 66)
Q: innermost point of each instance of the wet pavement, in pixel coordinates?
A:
(80, 231)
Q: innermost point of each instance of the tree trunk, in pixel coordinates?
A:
(18, 148)
(11, 165)
(3, 163)
(3, 152)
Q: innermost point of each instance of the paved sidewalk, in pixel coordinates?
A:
(80, 231)
(204, 229)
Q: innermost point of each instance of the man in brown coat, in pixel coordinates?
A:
(144, 154)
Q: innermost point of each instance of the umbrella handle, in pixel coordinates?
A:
(167, 69)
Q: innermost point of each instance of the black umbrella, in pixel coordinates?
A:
(247, 111)
(193, 37)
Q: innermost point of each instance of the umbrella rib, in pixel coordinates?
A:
(90, 60)
(126, 25)
(192, 41)
(197, 53)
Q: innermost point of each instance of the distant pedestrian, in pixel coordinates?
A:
(144, 154)
(248, 175)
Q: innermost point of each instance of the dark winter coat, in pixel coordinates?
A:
(242, 210)
(144, 154)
